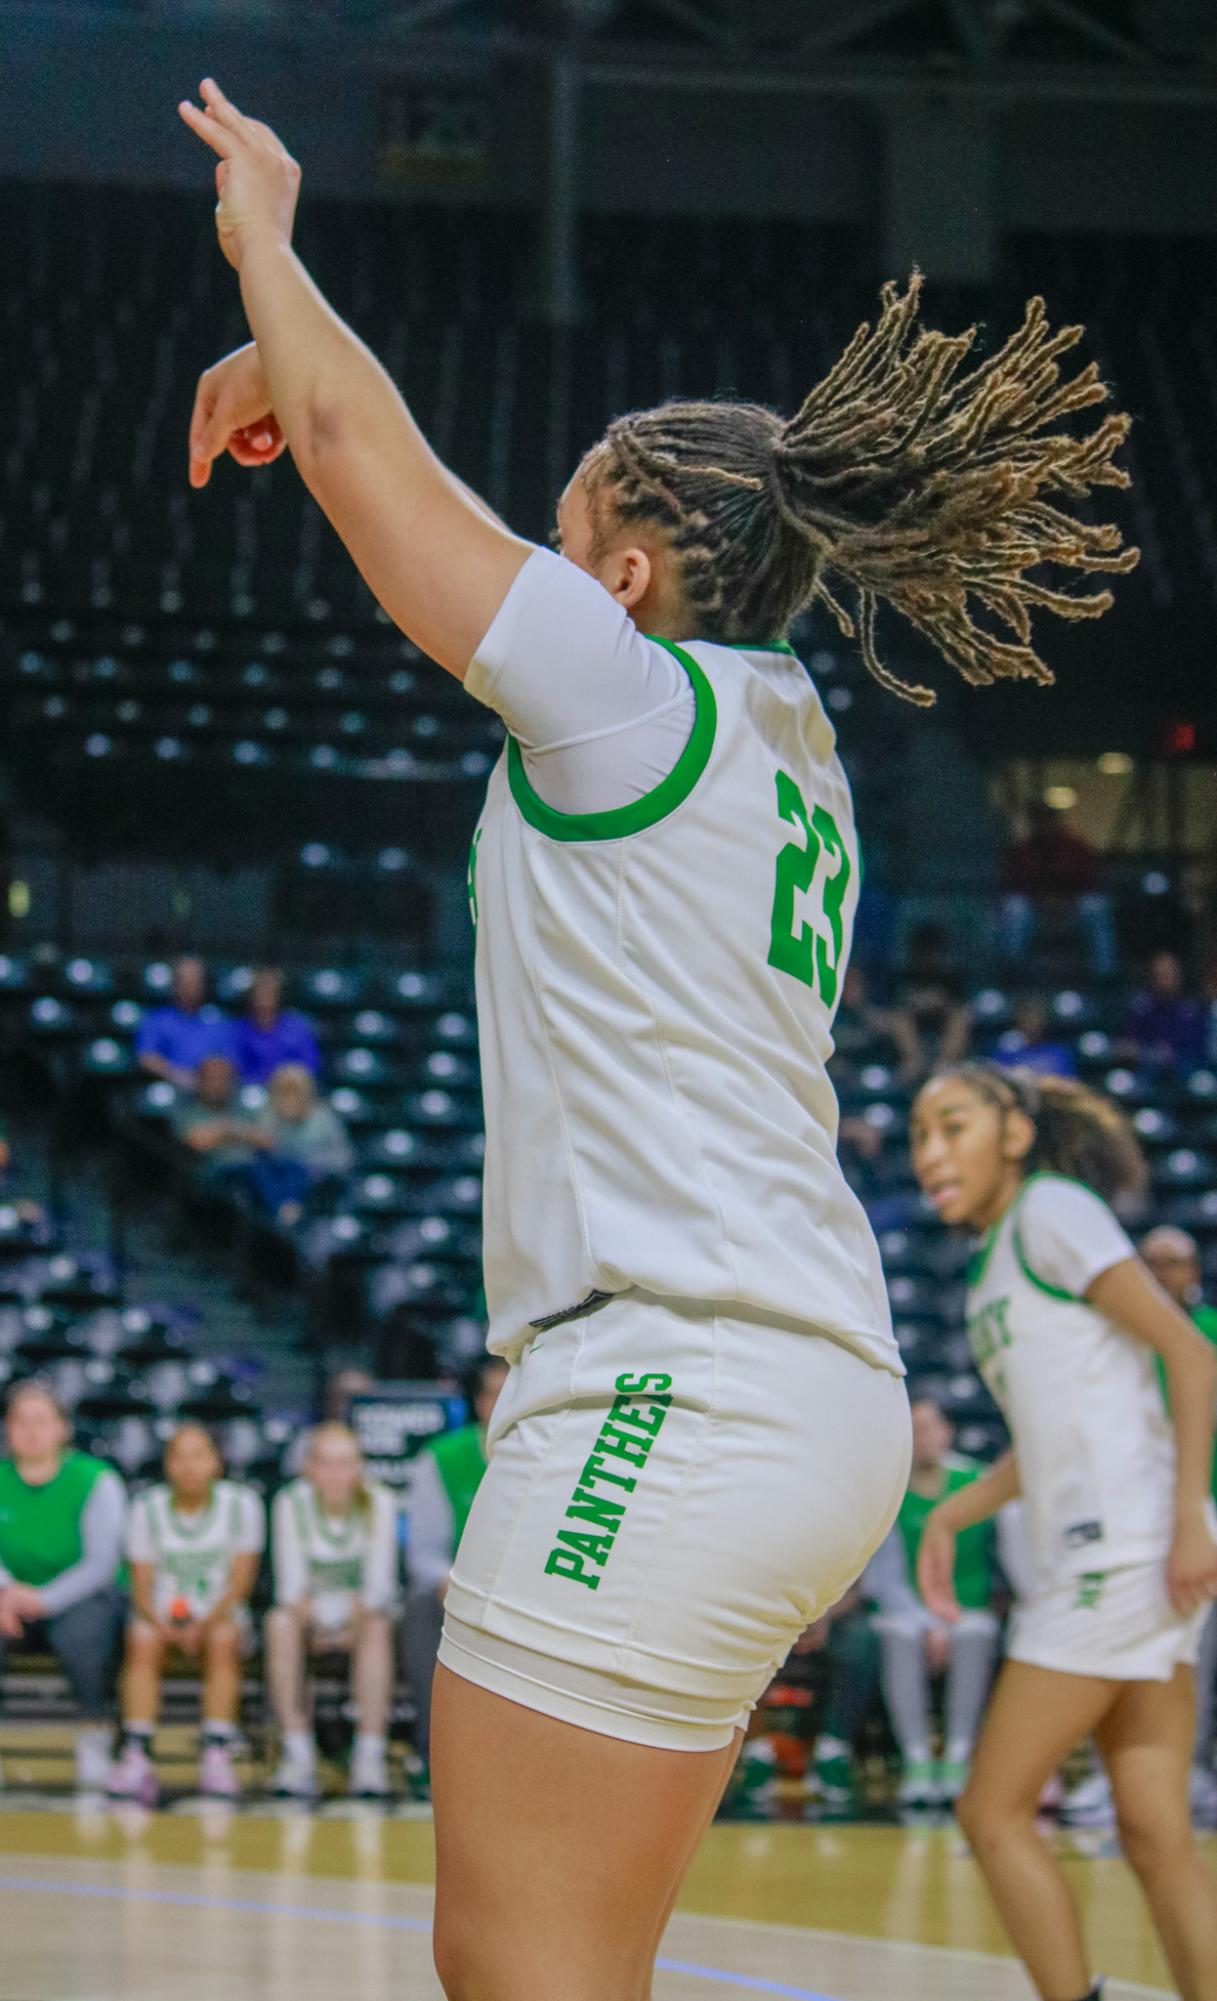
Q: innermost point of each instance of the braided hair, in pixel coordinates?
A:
(1077, 1132)
(904, 477)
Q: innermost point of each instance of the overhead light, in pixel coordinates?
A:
(1060, 797)
(1115, 764)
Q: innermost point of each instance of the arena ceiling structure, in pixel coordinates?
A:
(1125, 35)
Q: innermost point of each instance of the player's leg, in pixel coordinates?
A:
(371, 1682)
(86, 1639)
(1035, 1717)
(286, 1647)
(696, 1839)
(221, 1663)
(133, 1775)
(906, 1693)
(1146, 1744)
(141, 1677)
(969, 1675)
(558, 1859)
(221, 1673)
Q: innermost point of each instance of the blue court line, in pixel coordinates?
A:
(259, 1907)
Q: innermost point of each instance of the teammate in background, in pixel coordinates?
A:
(704, 1433)
(61, 1532)
(193, 1545)
(1065, 1324)
(1174, 1259)
(334, 1545)
(918, 1644)
(445, 1477)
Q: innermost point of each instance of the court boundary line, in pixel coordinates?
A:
(399, 1922)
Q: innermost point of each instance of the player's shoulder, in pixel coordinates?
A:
(1051, 1198)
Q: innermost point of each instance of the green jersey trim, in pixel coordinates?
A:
(654, 806)
(1042, 1284)
(757, 646)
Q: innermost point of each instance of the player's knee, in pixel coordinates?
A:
(222, 1641)
(984, 1820)
(1153, 1838)
(143, 1643)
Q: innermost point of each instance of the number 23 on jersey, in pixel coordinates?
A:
(810, 952)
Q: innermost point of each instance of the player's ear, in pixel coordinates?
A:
(629, 576)
(1018, 1135)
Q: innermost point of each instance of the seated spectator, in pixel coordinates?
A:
(268, 1035)
(852, 1685)
(61, 1529)
(1164, 1028)
(212, 1126)
(915, 1644)
(931, 1015)
(1029, 1046)
(1053, 867)
(446, 1476)
(193, 1545)
(302, 1143)
(173, 1040)
(334, 1543)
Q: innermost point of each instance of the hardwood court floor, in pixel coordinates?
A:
(274, 1904)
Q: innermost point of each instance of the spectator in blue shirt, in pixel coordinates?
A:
(1164, 1026)
(172, 1041)
(1029, 1046)
(269, 1035)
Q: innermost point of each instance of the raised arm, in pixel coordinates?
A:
(436, 560)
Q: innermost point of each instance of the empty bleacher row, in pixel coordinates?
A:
(128, 1374)
(97, 513)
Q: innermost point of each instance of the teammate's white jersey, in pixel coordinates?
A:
(336, 1562)
(192, 1553)
(656, 989)
(1096, 1450)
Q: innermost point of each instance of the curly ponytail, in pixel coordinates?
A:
(1077, 1132)
(903, 479)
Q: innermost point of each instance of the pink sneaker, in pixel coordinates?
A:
(217, 1777)
(133, 1776)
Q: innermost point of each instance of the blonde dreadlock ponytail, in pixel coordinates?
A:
(904, 479)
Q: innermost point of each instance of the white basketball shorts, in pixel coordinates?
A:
(674, 1493)
(1118, 1624)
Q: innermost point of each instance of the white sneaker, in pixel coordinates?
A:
(296, 1777)
(1090, 1804)
(369, 1775)
(93, 1758)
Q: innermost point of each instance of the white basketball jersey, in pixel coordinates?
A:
(334, 1554)
(1096, 1450)
(656, 990)
(193, 1554)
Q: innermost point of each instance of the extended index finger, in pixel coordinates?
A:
(220, 138)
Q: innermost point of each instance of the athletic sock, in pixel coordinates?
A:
(140, 1734)
(218, 1733)
(959, 1752)
(832, 1747)
(299, 1744)
(370, 1744)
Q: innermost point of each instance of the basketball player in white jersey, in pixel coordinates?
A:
(193, 1544)
(704, 1433)
(334, 1547)
(1066, 1324)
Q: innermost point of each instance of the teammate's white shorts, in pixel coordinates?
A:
(674, 1493)
(1117, 1624)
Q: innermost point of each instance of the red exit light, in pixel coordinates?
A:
(1180, 739)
